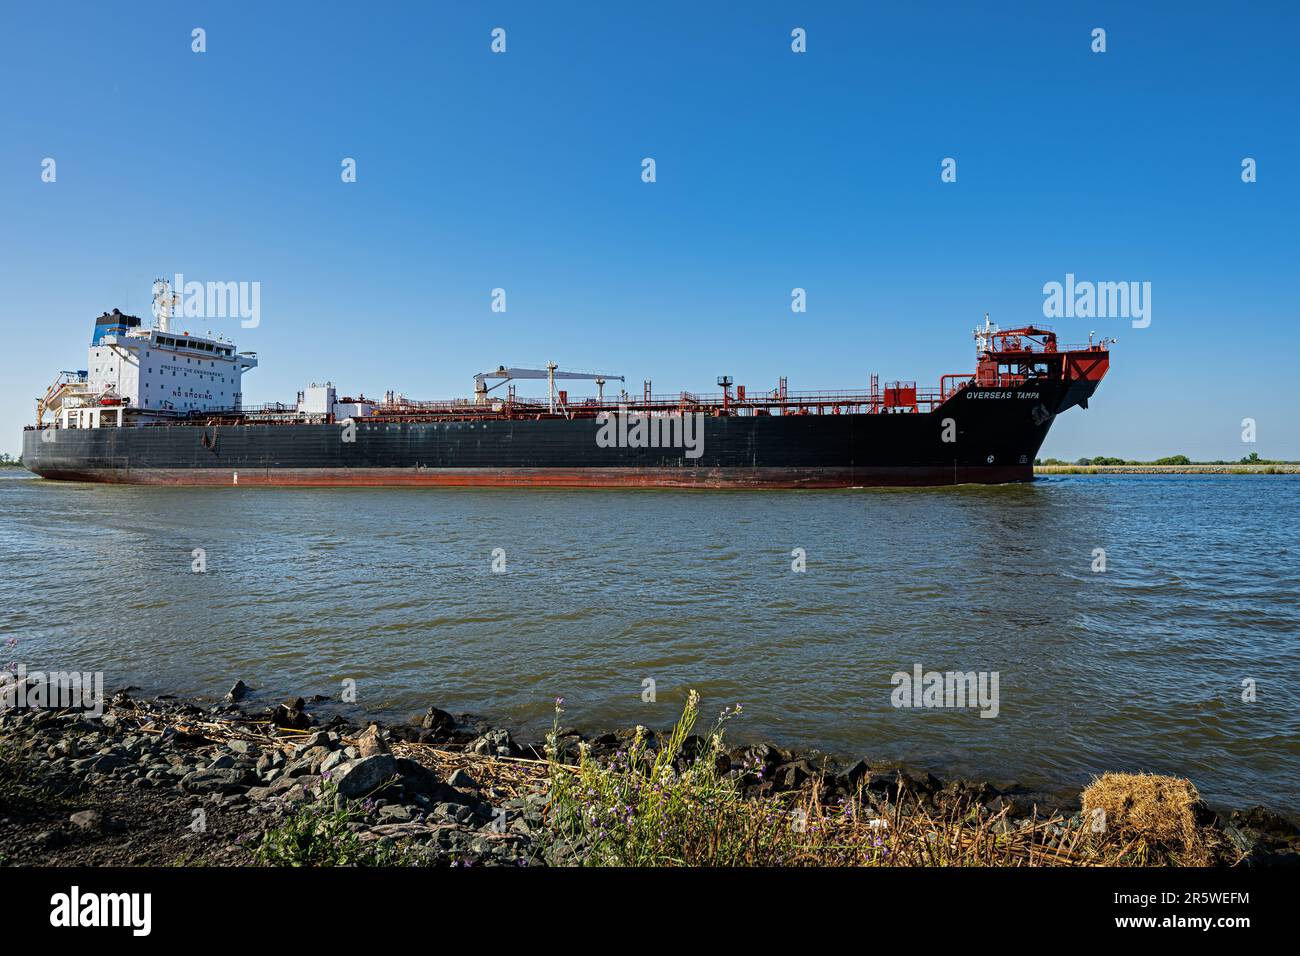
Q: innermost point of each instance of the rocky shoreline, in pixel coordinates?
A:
(166, 782)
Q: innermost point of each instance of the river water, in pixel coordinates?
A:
(1142, 666)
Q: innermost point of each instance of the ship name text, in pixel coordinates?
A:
(1001, 394)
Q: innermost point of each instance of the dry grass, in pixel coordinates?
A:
(1162, 818)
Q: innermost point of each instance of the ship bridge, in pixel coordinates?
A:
(149, 373)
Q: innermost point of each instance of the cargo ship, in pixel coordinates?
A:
(157, 406)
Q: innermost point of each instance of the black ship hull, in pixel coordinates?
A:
(979, 435)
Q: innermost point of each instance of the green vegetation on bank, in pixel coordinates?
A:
(8, 462)
(671, 807)
(321, 834)
(1102, 460)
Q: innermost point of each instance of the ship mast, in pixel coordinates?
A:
(984, 336)
(164, 300)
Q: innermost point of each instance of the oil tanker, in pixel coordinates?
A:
(157, 406)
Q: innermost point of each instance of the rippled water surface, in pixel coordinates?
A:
(1140, 667)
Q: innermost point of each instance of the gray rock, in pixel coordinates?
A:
(395, 814)
(299, 768)
(494, 743)
(87, 820)
(280, 785)
(291, 714)
(358, 777)
(451, 813)
(238, 692)
(321, 738)
(296, 794)
(417, 779)
(50, 839)
(333, 760)
(242, 747)
(461, 780)
(438, 720)
(371, 742)
(219, 781)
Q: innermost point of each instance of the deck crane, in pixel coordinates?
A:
(550, 373)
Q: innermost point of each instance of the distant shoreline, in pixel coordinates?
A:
(1237, 469)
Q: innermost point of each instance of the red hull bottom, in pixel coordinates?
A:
(718, 478)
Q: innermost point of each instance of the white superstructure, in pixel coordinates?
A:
(136, 375)
(150, 372)
(150, 369)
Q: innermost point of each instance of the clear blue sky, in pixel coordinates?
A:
(775, 170)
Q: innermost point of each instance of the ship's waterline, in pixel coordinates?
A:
(497, 601)
(699, 478)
